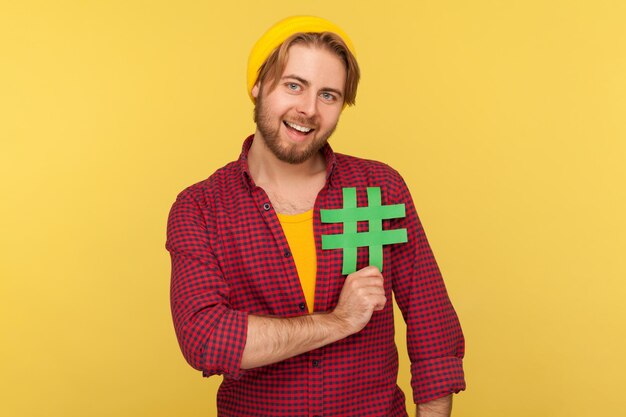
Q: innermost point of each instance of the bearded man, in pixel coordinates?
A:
(284, 262)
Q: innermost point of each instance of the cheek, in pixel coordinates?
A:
(281, 107)
(331, 116)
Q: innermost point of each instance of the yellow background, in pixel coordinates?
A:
(506, 118)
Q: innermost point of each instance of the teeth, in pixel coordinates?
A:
(299, 128)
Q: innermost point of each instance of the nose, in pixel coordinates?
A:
(307, 105)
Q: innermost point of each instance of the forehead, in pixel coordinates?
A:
(320, 67)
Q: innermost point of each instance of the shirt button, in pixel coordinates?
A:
(315, 363)
(287, 254)
(302, 306)
(266, 206)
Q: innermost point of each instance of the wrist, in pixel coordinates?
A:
(338, 325)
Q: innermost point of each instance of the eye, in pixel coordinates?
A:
(293, 86)
(328, 96)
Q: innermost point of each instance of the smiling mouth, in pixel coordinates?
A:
(296, 127)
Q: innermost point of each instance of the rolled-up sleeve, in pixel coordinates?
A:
(211, 334)
(435, 340)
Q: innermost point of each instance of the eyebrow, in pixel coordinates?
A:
(307, 84)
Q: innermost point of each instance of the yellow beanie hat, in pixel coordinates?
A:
(278, 33)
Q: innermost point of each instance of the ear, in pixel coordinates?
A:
(255, 90)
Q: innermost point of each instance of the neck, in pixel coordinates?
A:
(267, 169)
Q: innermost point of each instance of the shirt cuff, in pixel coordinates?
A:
(224, 349)
(436, 378)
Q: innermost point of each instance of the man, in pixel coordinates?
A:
(258, 296)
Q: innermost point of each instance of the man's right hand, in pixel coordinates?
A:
(362, 294)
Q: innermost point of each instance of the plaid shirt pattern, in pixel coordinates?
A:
(230, 258)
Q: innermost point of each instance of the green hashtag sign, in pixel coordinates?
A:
(374, 238)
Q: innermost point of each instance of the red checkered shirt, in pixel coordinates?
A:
(230, 258)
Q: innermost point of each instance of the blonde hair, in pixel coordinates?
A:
(273, 67)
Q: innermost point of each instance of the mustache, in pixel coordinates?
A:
(303, 121)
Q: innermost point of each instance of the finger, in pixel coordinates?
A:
(371, 269)
(363, 284)
(369, 282)
(378, 291)
(368, 271)
(380, 305)
(375, 291)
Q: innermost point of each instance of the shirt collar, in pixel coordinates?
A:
(327, 151)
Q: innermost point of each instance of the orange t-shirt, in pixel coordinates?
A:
(298, 229)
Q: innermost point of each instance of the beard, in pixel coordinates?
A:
(291, 153)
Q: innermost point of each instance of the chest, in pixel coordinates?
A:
(292, 203)
(295, 199)
(257, 261)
